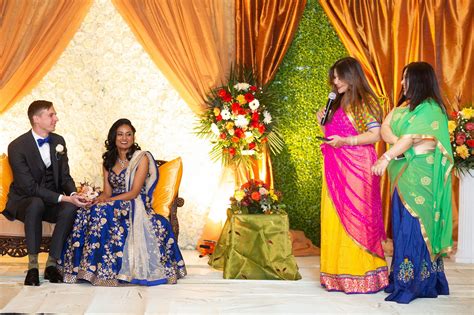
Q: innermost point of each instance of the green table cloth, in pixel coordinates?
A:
(255, 246)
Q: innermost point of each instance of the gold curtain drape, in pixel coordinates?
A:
(264, 30)
(191, 42)
(386, 35)
(33, 34)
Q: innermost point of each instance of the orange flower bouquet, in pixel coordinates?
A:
(255, 197)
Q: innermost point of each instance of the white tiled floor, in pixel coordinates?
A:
(204, 291)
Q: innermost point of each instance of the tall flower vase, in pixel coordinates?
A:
(465, 252)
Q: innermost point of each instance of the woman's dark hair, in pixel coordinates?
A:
(110, 156)
(359, 95)
(421, 82)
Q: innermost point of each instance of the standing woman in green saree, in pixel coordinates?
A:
(419, 165)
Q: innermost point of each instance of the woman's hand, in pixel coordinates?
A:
(379, 167)
(337, 141)
(101, 199)
(320, 115)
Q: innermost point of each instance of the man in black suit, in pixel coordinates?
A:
(42, 189)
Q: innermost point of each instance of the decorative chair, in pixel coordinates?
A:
(12, 236)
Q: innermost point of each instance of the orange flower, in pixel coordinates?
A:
(255, 196)
(235, 139)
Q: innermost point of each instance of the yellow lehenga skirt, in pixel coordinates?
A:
(345, 265)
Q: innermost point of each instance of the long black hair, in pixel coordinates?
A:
(421, 82)
(359, 96)
(110, 156)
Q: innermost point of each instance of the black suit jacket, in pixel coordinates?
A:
(29, 172)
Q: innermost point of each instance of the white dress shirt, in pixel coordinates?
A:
(44, 150)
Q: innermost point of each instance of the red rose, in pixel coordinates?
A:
(255, 116)
(221, 93)
(470, 143)
(232, 151)
(227, 98)
(242, 111)
(261, 128)
(252, 145)
(239, 133)
(218, 117)
(235, 108)
(460, 138)
(470, 126)
(254, 124)
(255, 196)
(249, 97)
(253, 88)
(223, 136)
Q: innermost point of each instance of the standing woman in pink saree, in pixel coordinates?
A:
(352, 230)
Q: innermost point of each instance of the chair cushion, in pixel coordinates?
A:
(6, 178)
(168, 185)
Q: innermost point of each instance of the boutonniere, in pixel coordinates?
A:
(59, 151)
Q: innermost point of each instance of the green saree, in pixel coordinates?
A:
(423, 179)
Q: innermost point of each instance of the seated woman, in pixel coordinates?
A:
(119, 237)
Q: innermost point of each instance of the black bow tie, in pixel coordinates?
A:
(43, 141)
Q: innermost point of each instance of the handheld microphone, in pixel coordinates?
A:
(331, 98)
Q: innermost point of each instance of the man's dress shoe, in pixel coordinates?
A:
(32, 277)
(52, 274)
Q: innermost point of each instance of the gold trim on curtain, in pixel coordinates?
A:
(191, 42)
(33, 34)
(386, 35)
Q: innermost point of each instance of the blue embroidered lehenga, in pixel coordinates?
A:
(123, 241)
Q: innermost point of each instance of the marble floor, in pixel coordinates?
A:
(204, 291)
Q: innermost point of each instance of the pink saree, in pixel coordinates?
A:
(354, 192)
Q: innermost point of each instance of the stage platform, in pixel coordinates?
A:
(204, 291)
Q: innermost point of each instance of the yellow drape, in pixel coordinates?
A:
(191, 42)
(388, 34)
(33, 34)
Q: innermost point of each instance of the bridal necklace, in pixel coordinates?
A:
(122, 163)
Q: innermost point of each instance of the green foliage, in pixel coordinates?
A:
(301, 88)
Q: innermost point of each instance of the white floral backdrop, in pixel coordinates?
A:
(103, 75)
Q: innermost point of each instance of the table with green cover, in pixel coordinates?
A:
(255, 246)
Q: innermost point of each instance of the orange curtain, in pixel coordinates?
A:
(386, 35)
(264, 30)
(33, 34)
(190, 41)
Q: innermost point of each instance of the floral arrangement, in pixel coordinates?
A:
(88, 191)
(255, 197)
(238, 120)
(461, 130)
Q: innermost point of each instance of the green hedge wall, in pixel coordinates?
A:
(301, 89)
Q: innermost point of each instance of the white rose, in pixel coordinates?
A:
(241, 121)
(60, 148)
(254, 104)
(241, 86)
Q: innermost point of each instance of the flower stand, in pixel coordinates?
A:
(255, 246)
(465, 252)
